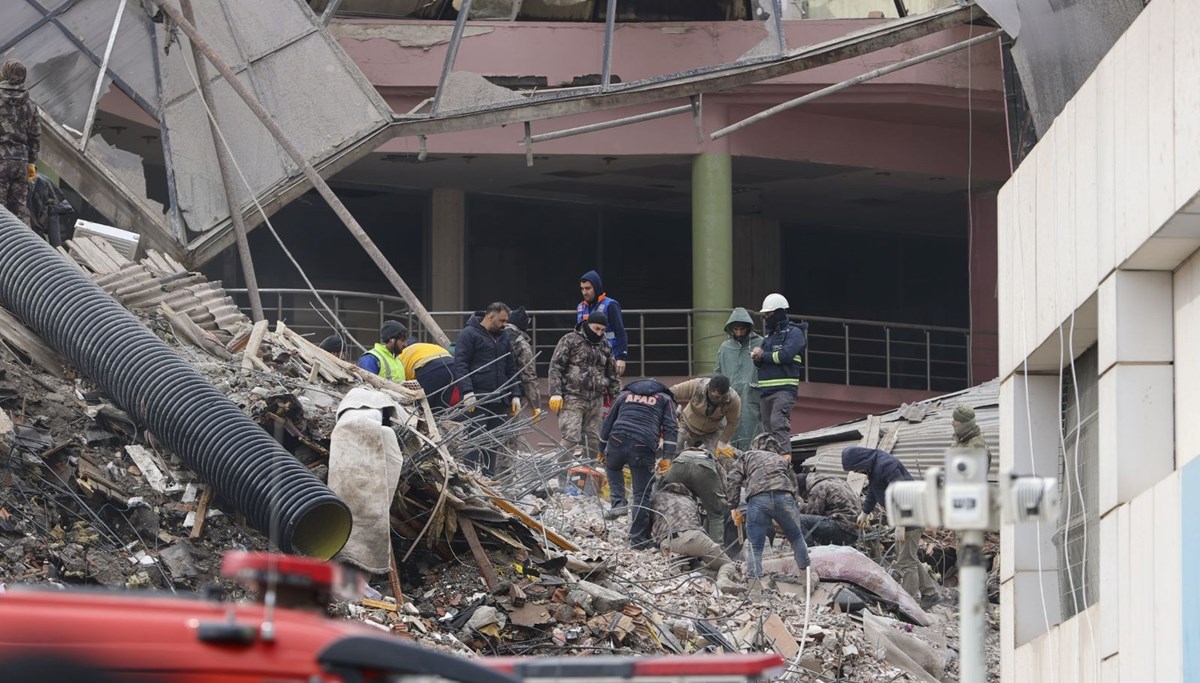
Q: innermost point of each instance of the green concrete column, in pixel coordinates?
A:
(712, 255)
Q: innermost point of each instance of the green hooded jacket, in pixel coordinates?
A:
(733, 361)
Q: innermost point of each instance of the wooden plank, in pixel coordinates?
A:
(15, 334)
(250, 354)
(481, 558)
(870, 438)
(379, 604)
(890, 437)
(150, 470)
(531, 522)
(201, 512)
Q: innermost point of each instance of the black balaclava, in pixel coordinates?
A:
(777, 316)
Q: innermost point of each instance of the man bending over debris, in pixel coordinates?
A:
(433, 368)
(582, 371)
(708, 404)
(384, 358)
(640, 416)
(829, 510)
(697, 470)
(770, 482)
(882, 468)
(677, 530)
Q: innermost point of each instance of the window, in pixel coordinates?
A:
(1077, 538)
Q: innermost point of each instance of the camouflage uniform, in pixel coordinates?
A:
(677, 526)
(19, 139)
(697, 470)
(582, 372)
(522, 352)
(830, 498)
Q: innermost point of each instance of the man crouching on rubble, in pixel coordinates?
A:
(640, 417)
(677, 530)
(770, 482)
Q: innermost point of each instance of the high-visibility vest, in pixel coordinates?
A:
(582, 312)
(390, 367)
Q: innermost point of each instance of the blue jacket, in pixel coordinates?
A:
(781, 363)
(475, 348)
(882, 469)
(615, 331)
(641, 413)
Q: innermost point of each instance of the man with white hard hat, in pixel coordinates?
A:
(779, 358)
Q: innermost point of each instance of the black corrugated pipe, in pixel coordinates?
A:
(186, 412)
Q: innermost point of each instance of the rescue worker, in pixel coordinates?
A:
(640, 417)
(595, 300)
(829, 509)
(582, 372)
(882, 469)
(383, 358)
(20, 140)
(734, 361)
(697, 470)
(433, 368)
(333, 345)
(483, 364)
(770, 482)
(778, 359)
(676, 529)
(966, 432)
(517, 331)
(707, 403)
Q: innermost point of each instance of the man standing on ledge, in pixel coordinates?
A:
(779, 360)
(596, 301)
(384, 358)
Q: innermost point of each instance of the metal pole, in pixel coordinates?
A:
(928, 364)
(327, 15)
(972, 596)
(165, 138)
(689, 342)
(610, 25)
(887, 353)
(460, 23)
(309, 172)
(91, 115)
(870, 75)
(615, 123)
(227, 185)
(846, 338)
(642, 340)
(970, 367)
(777, 19)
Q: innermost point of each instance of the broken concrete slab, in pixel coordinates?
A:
(604, 599)
(178, 559)
(904, 651)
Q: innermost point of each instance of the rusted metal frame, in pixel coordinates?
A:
(694, 82)
(245, 258)
(460, 24)
(330, 9)
(861, 78)
(95, 59)
(46, 19)
(90, 119)
(610, 26)
(605, 125)
(164, 131)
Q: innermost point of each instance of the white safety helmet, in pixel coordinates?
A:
(773, 302)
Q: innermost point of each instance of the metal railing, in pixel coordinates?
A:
(661, 341)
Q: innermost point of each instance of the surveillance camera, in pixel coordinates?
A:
(914, 503)
(1033, 499)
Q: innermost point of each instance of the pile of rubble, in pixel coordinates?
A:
(488, 567)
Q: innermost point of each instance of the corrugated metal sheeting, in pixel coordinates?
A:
(924, 431)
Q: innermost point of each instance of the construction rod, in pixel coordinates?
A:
(91, 114)
(605, 125)
(870, 75)
(223, 165)
(309, 172)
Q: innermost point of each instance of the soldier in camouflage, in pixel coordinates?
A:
(19, 139)
(829, 511)
(677, 529)
(582, 371)
(518, 339)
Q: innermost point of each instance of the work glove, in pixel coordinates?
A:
(738, 518)
(901, 533)
(515, 406)
(663, 465)
(31, 170)
(537, 414)
(468, 401)
(863, 520)
(600, 457)
(555, 404)
(724, 450)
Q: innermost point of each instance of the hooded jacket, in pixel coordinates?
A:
(733, 361)
(882, 469)
(614, 332)
(19, 126)
(759, 472)
(642, 413)
(582, 371)
(702, 417)
(675, 511)
(830, 496)
(476, 349)
(780, 365)
(523, 359)
(967, 435)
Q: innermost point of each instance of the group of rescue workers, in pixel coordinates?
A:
(709, 459)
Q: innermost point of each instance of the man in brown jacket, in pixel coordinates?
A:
(706, 404)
